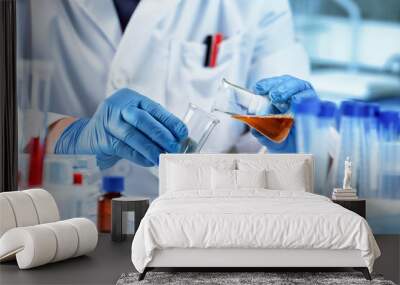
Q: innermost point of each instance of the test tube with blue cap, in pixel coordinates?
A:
(321, 151)
(389, 151)
(306, 112)
(349, 145)
(372, 133)
(248, 107)
(369, 150)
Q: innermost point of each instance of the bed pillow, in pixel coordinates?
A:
(182, 177)
(237, 179)
(282, 174)
(294, 180)
(191, 174)
(223, 179)
(251, 178)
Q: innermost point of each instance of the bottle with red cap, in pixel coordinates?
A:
(79, 193)
(85, 197)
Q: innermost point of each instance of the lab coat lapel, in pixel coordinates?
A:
(104, 16)
(138, 40)
(146, 16)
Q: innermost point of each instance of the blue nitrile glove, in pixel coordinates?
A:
(126, 125)
(282, 89)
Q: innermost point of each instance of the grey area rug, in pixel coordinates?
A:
(225, 278)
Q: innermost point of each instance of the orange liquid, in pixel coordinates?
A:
(274, 127)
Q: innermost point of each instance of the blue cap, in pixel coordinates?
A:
(374, 110)
(369, 110)
(113, 184)
(307, 106)
(327, 109)
(389, 118)
(348, 108)
(362, 109)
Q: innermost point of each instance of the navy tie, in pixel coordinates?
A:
(125, 9)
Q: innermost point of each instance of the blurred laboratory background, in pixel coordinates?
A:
(354, 46)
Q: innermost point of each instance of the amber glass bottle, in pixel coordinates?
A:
(112, 188)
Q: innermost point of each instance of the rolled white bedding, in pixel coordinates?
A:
(26, 208)
(41, 244)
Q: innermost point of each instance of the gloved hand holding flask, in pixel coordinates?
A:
(282, 91)
(267, 109)
(126, 125)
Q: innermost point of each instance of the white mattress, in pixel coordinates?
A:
(263, 219)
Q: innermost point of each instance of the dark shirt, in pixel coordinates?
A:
(125, 10)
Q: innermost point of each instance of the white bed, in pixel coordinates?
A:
(201, 219)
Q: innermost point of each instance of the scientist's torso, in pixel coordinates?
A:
(161, 52)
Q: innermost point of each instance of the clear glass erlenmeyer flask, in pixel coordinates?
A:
(236, 100)
(255, 110)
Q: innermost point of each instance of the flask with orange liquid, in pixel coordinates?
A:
(244, 105)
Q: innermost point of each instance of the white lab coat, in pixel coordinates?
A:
(161, 52)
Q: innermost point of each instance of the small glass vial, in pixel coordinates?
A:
(200, 125)
(112, 188)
